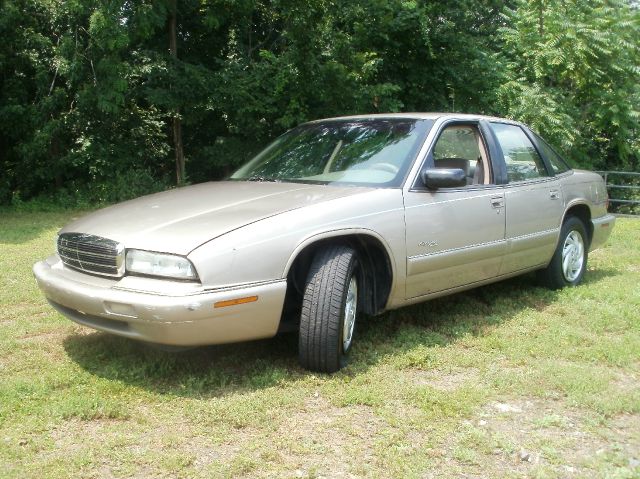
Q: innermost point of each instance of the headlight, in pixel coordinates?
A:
(158, 264)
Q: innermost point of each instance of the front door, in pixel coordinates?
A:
(455, 236)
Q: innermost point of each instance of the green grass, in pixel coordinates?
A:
(508, 380)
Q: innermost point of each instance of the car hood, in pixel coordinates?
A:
(179, 220)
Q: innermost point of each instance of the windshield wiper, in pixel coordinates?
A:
(262, 178)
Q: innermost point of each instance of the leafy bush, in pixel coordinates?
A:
(127, 185)
(89, 88)
(123, 186)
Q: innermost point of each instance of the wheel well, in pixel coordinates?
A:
(375, 273)
(583, 213)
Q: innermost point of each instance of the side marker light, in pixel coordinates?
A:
(234, 302)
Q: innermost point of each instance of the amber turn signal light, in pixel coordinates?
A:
(233, 302)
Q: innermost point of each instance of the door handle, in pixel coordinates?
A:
(497, 202)
(554, 194)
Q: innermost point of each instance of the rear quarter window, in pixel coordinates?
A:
(555, 160)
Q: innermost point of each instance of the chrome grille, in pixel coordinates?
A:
(91, 254)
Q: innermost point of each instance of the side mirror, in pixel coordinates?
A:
(434, 178)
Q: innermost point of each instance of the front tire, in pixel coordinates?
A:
(329, 309)
(569, 262)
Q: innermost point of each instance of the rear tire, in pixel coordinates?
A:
(329, 308)
(569, 262)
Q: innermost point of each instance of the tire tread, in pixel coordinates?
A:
(320, 340)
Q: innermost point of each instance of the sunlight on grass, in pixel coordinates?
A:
(508, 380)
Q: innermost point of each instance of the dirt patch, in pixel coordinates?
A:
(525, 437)
(74, 433)
(44, 336)
(323, 438)
(444, 380)
(627, 381)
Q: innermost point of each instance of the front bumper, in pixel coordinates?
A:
(602, 228)
(188, 318)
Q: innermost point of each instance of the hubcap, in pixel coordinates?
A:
(350, 306)
(572, 256)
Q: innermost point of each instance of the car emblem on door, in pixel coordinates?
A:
(430, 244)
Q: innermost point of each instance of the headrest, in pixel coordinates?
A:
(454, 163)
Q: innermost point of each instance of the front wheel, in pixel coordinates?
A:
(569, 261)
(329, 309)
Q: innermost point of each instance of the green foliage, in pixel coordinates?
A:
(89, 89)
(121, 186)
(572, 72)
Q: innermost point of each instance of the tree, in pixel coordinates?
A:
(175, 120)
(573, 73)
(103, 101)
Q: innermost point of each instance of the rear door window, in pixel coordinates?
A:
(522, 159)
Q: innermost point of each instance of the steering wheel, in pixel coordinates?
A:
(388, 167)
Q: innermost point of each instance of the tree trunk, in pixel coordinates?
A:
(177, 147)
(176, 126)
(541, 20)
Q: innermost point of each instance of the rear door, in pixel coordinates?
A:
(533, 198)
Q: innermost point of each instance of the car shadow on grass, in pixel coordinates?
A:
(596, 275)
(220, 370)
(203, 371)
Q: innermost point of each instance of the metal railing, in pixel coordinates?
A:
(626, 183)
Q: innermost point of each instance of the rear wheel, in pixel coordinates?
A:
(569, 261)
(329, 309)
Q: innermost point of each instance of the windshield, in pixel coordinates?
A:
(362, 152)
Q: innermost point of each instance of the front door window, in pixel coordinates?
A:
(461, 146)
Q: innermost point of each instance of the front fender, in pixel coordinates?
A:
(265, 250)
(337, 234)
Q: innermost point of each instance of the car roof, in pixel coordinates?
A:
(418, 116)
